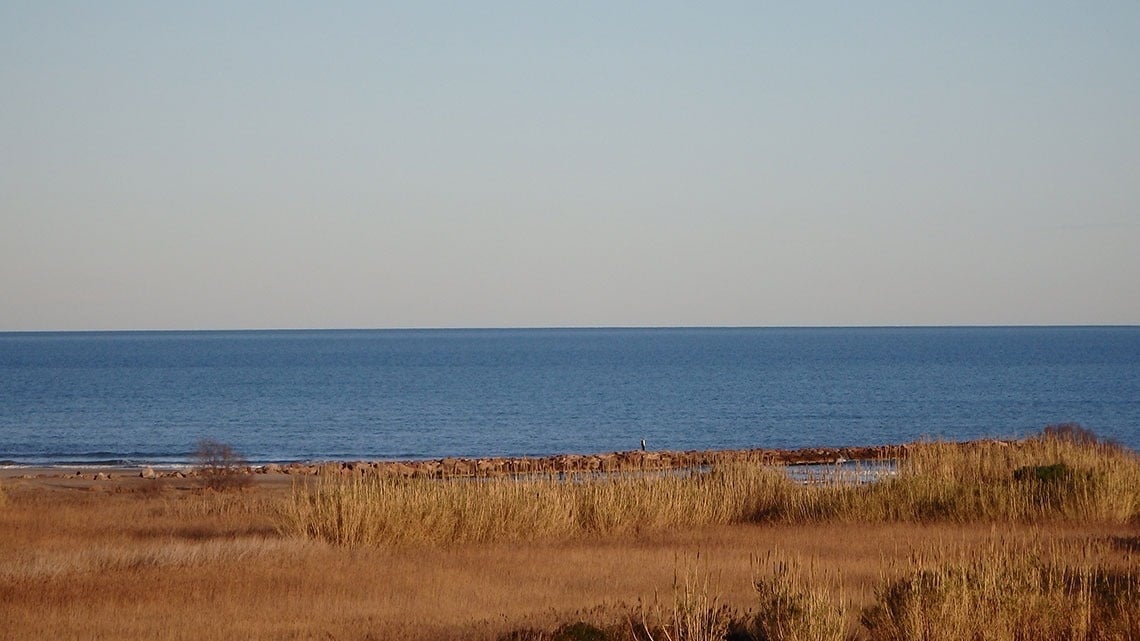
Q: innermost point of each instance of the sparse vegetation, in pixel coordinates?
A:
(696, 613)
(999, 593)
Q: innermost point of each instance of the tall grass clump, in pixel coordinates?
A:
(796, 604)
(696, 613)
(1049, 477)
(385, 511)
(380, 510)
(1003, 596)
(1056, 476)
(730, 494)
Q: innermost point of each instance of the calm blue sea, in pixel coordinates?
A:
(148, 397)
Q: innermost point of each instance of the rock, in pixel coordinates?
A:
(101, 476)
(400, 469)
(148, 473)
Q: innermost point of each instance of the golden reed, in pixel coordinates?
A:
(1041, 479)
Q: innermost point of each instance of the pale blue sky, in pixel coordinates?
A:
(246, 165)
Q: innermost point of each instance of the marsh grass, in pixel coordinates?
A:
(1003, 591)
(797, 602)
(1043, 594)
(1010, 482)
(389, 510)
(1000, 592)
(1038, 536)
(1041, 479)
(695, 612)
(53, 564)
(78, 563)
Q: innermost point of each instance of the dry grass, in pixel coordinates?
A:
(388, 510)
(154, 559)
(1046, 479)
(694, 614)
(997, 481)
(798, 602)
(1043, 593)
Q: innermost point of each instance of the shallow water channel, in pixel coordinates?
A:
(842, 472)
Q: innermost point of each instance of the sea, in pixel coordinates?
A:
(134, 398)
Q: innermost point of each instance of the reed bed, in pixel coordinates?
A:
(1047, 594)
(1001, 592)
(1049, 478)
(796, 602)
(98, 561)
(387, 510)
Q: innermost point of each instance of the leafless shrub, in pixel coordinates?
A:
(220, 467)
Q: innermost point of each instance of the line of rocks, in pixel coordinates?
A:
(488, 467)
(613, 462)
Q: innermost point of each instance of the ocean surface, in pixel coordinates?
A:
(149, 397)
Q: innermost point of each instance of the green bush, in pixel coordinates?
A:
(1056, 473)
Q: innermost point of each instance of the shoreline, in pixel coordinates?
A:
(278, 557)
(492, 466)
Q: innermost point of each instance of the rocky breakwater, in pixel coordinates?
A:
(608, 463)
(562, 464)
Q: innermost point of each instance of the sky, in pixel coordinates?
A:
(234, 165)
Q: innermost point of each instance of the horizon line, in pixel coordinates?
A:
(489, 328)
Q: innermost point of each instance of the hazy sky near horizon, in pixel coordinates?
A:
(206, 165)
